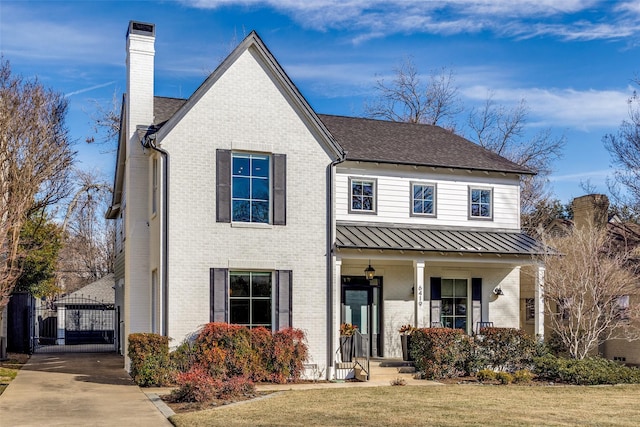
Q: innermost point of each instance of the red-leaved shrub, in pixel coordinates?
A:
(194, 386)
(228, 351)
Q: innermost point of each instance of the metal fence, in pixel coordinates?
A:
(77, 324)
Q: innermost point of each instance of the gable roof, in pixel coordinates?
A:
(252, 41)
(100, 291)
(383, 141)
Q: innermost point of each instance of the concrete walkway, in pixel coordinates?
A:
(90, 389)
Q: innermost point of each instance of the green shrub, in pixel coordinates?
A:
(505, 349)
(486, 375)
(589, 371)
(504, 377)
(523, 376)
(440, 352)
(149, 356)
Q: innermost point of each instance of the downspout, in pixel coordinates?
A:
(149, 141)
(330, 228)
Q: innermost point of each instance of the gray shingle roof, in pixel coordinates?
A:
(99, 291)
(391, 142)
(435, 240)
(413, 144)
(164, 108)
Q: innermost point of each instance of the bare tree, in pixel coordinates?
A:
(88, 238)
(499, 129)
(624, 147)
(590, 291)
(502, 130)
(106, 121)
(35, 158)
(408, 99)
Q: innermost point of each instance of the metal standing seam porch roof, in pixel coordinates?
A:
(424, 239)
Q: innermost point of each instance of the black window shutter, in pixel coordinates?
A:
(436, 288)
(436, 296)
(218, 283)
(223, 185)
(284, 287)
(476, 303)
(279, 189)
(476, 288)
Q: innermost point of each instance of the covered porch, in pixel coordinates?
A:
(428, 278)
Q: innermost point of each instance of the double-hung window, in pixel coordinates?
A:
(480, 203)
(363, 195)
(250, 187)
(423, 199)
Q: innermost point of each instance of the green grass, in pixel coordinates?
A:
(9, 369)
(446, 405)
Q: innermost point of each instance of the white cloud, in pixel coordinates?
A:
(564, 108)
(88, 89)
(368, 19)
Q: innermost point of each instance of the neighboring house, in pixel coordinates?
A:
(87, 316)
(594, 209)
(241, 204)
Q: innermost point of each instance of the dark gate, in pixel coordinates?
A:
(74, 324)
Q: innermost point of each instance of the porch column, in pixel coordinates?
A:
(418, 293)
(337, 313)
(539, 303)
(61, 321)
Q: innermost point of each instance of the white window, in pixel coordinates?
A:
(454, 303)
(363, 195)
(251, 189)
(529, 309)
(480, 203)
(622, 307)
(423, 199)
(250, 299)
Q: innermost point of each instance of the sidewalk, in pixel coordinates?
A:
(90, 389)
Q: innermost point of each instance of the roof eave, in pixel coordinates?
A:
(430, 165)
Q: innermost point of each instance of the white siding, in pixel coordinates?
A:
(452, 206)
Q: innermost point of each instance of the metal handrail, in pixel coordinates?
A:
(361, 355)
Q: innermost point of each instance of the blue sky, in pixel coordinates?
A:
(572, 60)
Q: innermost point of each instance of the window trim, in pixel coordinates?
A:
(374, 181)
(469, 204)
(435, 196)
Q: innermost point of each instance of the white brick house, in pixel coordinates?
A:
(241, 204)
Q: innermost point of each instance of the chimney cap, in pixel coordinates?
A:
(141, 28)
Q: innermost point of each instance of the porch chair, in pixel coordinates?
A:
(480, 325)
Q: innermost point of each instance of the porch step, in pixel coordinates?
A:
(390, 370)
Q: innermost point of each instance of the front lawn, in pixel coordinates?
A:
(446, 405)
(9, 368)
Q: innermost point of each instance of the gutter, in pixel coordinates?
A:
(149, 141)
(330, 229)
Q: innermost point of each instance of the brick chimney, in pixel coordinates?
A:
(140, 55)
(592, 208)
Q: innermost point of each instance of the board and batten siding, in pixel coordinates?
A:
(452, 197)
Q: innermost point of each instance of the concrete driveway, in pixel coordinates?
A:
(90, 389)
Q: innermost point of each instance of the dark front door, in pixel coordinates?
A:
(361, 307)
